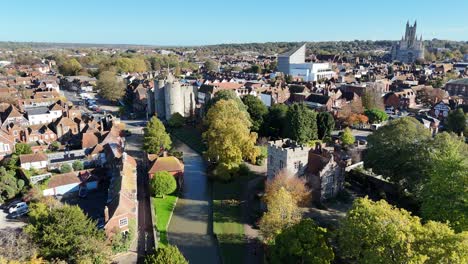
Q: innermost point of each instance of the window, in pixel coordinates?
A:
(123, 222)
(281, 165)
(297, 165)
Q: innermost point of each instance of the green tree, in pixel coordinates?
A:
(162, 183)
(376, 232)
(256, 69)
(303, 242)
(444, 197)
(70, 67)
(22, 148)
(275, 121)
(226, 95)
(110, 87)
(301, 123)
(456, 121)
(256, 109)
(398, 151)
(166, 255)
(176, 120)
(78, 165)
(325, 125)
(226, 145)
(10, 186)
(65, 168)
(54, 146)
(155, 138)
(66, 233)
(347, 138)
(372, 99)
(376, 115)
(282, 213)
(211, 65)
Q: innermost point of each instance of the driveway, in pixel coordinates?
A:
(8, 222)
(191, 226)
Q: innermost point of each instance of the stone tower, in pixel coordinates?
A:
(409, 48)
(159, 98)
(173, 97)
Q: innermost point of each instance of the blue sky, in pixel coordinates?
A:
(190, 22)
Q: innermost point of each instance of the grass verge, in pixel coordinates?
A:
(163, 210)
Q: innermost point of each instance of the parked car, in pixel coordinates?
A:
(19, 207)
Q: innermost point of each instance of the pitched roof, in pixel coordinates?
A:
(166, 164)
(35, 157)
(89, 140)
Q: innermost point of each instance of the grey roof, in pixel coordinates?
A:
(37, 110)
(291, 52)
(460, 81)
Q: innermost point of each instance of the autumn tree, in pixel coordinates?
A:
(303, 242)
(347, 138)
(282, 213)
(398, 151)
(162, 183)
(372, 99)
(226, 95)
(445, 193)
(256, 109)
(301, 123)
(226, 145)
(377, 232)
(210, 65)
(70, 67)
(294, 185)
(110, 87)
(456, 121)
(155, 137)
(325, 125)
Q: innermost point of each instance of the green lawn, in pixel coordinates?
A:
(227, 219)
(163, 209)
(190, 136)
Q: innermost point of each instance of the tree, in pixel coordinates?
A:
(376, 232)
(110, 87)
(162, 183)
(303, 242)
(54, 146)
(166, 255)
(294, 185)
(22, 148)
(176, 120)
(78, 165)
(256, 109)
(66, 233)
(398, 151)
(226, 95)
(282, 213)
(347, 138)
(65, 168)
(445, 194)
(155, 138)
(325, 124)
(372, 99)
(70, 67)
(376, 115)
(10, 185)
(301, 123)
(210, 65)
(225, 144)
(256, 69)
(275, 120)
(456, 121)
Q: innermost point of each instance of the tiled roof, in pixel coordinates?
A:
(166, 164)
(36, 157)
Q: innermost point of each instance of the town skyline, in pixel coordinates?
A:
(164, 23)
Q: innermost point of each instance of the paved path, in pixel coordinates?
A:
(191, 226)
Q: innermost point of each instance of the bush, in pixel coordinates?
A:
(263, 155)
(78, 165)
(22, 148)
(223, 173)
(54, 146)
(65, 168)
(162, 183)
(176, 120)
(166, 255)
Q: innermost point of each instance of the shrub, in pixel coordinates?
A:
(263, 155)
(78, 165)
(162, 183)
(54, 146)
(65, 168)
(176, 120)
(166, 255)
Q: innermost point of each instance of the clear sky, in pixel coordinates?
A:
(199, 22)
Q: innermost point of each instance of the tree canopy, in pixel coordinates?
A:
(325, 124)
(162, 183)
(110, 87)
(347, 138)
(294, 185)
(166, 255)
(456, 121)
(376, 232)
(227, 145)
(303, 242)
(275, 121)
(256, 109)
(301, 123)
(155, 138)
(376, 115)
(70, 67)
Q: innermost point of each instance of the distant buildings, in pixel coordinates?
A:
(293, 63)
(409, 48)
(457, 87)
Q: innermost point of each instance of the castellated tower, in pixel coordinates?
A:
(409, 48)
(173, 97)
(159, 98)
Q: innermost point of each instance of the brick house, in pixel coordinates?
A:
(170, 164)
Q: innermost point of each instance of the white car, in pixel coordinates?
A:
(18, 208)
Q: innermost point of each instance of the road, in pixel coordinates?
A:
(191, 226)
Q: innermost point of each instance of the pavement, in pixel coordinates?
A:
(191, 226)
(8, 222)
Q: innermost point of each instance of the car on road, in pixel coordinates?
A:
(19, 207)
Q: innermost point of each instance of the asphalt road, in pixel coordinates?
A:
(190, 228)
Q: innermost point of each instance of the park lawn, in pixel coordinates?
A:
(190, 136)
(163, 210)
(227, 219)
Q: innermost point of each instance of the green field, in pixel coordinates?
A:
(163, 209)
